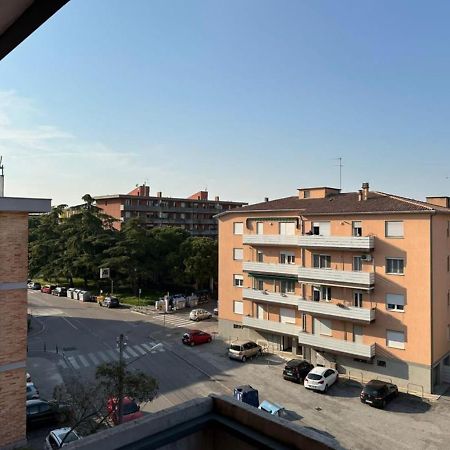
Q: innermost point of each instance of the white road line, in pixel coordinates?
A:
(112, 354)
(63, 364)
(84, 361)
(103, 356)
(73, 362)
(94, 358)
(123, 354)
(69, 322)
(131, 351)
(139, 349)
(159, 349)
(148, 347)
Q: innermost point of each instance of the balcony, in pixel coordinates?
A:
(269, 325)
(271, 269)
(336, 345)
(343, 312)
(272, 297)
(365, 243)
(345, 278)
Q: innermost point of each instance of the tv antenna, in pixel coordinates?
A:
(1, 167)
(2, 179)
(340, 165)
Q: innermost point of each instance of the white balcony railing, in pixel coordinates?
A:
(272, 326)
(272, 297)
(338, 311)
(336, 345)
(363, 243)
(275, 269)
(337, 277)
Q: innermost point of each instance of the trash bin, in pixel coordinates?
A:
(84, 296)
(247, 395)
(70, 292)
(76, 294)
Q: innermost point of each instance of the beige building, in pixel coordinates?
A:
(13, 314)
(357, 280)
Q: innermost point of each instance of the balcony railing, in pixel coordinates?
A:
(272, 297)
(363, 243)
(338, 311)
(336, 345)
(272, 326)
(344, 278)
(274, 269)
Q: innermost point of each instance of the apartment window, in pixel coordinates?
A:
(287, 228)
(127, 202)
(238, 280)
(303, 322)
(394, 229)
(287, 315)
(259, 228)
(127, 214)
(395, 339)
(306, 194)
(321, 261)
(238, 254)
(259, 256)
(238, 307)
(238, 228)
(321, 293)
(287, 258)
(325, 327)
(258, 284)
(357, 228)
(287, 286)
(357, 299)
(395, 302)
(326, 293)
(395, 266)
(357, 264)
(321, 228)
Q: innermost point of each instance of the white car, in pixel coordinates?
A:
(199, 314)
(55, 438)
(320, 379)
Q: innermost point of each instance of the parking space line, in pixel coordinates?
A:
(112, 354)
(84, 361)
(103, 356)
(73, 362)
(63, 364)
(148, 347)
(131, 351)
(94, 358)
(139, 349)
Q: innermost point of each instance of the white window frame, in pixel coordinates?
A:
(325, 327)
(395, 302)
(395, 273)
(358, 299)
(289, 317)
(238, 228)
(259, 227)
(289, 258)
(259, 256)
(238, 280)
(287, 286)
(394, 229)
(322, 228)
(393, 339)
(304, 321)
(357, 267)
(286, 228)
(357, 225)
(238, 307)
(238, 254)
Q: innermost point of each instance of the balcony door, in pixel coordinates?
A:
(260, 311)
(358, 332)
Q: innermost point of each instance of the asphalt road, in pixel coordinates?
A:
(85, 333)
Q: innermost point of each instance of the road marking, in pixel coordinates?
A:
(131, 351)
(94, 358)
(112, 354)
(103, 356)
(148, 347)
(69, 322)
(73, 362)
(159, 349)
(139, 349)
(124, 354)
(63, 364)
(84, 361)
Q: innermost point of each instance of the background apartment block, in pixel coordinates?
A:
(194, 214)
(359, 280)
(13, 314)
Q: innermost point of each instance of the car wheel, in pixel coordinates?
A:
(192, 344)
(244, 358)
(326, 389)
(383, 404)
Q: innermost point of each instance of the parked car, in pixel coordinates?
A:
(40, 412)
(55, 438)
(32, 391)
(28, 378)
(199, 314)
(48, 288)
(60, 291)
(296, 370)
(216, 311)
(378, 393)
(195, 337)
(320, 379)
(130, 410)
(34, 285)
(244, 349)
(272, 408)
(110, 302)
(246, 394)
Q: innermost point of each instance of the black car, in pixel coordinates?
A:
(35, 286)
(60, 291)
(41, 412)
(378, 393)
(296, 370)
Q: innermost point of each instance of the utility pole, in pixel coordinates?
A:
(340, 171)
(121, 370)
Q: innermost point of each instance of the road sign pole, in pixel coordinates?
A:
(121, 370)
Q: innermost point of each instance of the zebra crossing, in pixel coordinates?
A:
(173, 320)
(80, 361)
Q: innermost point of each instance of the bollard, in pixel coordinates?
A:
(57, 349)
(45, 347)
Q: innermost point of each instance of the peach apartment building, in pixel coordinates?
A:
(359, 281)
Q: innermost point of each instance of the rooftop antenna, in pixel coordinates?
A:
(2, 179)
(340, 165)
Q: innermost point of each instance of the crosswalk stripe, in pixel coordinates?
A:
(160, 348)
(148, 347)
(131, 351)
(83, 360)
(112, 354)
(103, 356)
(73, 362)
(94, 358)
(139, 349)
(63, 364)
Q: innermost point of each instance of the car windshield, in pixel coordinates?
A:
(236, 348)
(314, 376)
(373, 390)
(130, 408)
(70, 437)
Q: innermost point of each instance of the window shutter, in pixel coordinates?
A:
(287, 315)
(395, 339)
(395, 299)
(394, 229)
(325, 327)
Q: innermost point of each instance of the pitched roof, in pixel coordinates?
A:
(346, 203)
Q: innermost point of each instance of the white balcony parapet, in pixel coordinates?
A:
(275, 269)
(337, 277)
(363, 243)
(336, 345)
(272, 297)
(335, 310)
(272, 326)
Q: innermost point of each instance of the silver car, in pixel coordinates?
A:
(199, 314)
(55, 439)
(243, 350)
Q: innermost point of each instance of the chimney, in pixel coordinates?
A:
(2, 179)
(159, 194)
(266, 199)
(365, 191)
(360, 195)
(216, 198)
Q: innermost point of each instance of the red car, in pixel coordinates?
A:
(130, 410)
(195, 337)
(48, 288)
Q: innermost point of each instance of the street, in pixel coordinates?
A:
(69, 338)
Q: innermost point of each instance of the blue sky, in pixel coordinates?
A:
(247, 98)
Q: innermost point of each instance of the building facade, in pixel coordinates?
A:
(194, 214)
(13, 314)
(358, 281)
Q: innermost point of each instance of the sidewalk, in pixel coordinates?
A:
(45, 372)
